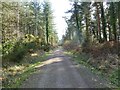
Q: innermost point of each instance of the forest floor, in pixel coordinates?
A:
(59, 70)
(13, 74)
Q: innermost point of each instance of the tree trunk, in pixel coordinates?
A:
(18, 20)
(113, 20)
(77, 21)
(110, 33)
(98, 22)
(119, 18)
(87, 32)
(47, 34)
(103, 22)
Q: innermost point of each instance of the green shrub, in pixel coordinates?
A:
(19, 49)
(114, 77)
(46, 47)
(18, 52)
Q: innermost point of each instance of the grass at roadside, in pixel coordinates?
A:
(80, 59)
(83, 58)
(15, 75)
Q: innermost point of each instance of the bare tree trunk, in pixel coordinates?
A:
(119, 19)
(47, 34)
(98, 22)
(113, 21)
(77, 22)
(18, 16)
(103, 22)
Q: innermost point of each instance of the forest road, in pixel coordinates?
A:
(59, 71)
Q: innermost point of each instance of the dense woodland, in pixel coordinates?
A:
(26, 26)
(94, 32)
(94, 21)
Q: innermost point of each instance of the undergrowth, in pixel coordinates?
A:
(14, 75)
(102, 58)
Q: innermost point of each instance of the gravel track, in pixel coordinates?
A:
(59, 71)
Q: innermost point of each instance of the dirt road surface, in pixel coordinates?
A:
(59, 71)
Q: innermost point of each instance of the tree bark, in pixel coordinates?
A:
(119, 18)
(98, 22)
(113, 20)
(103, 22)
(77, 21)
(47, 35)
